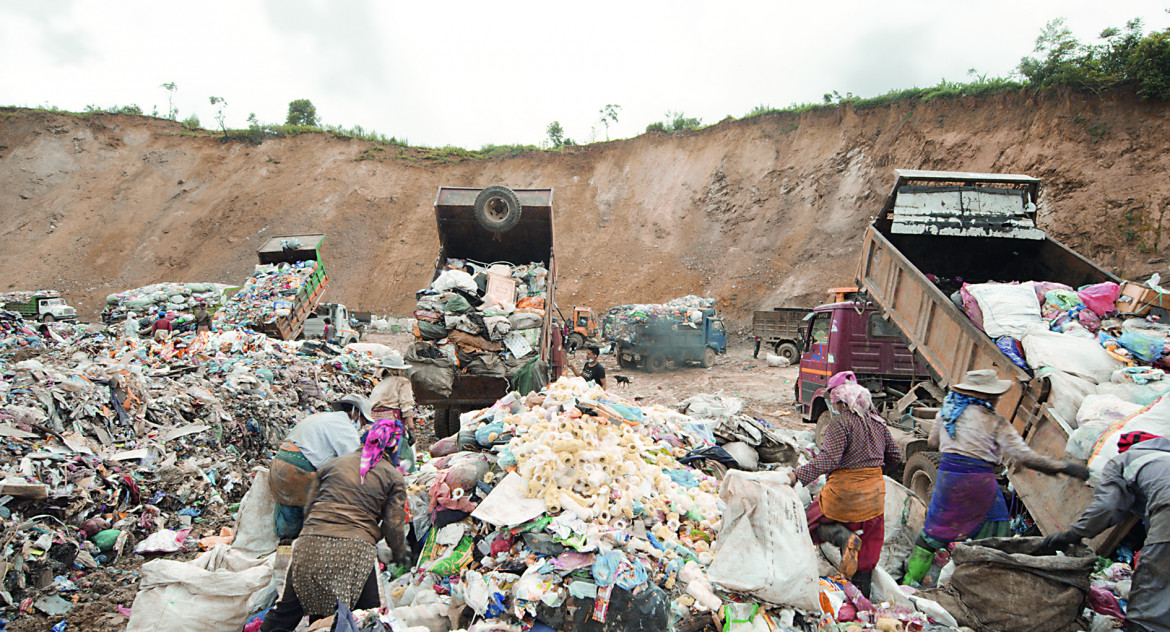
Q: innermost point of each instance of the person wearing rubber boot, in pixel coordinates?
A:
(854, 448)
(966, 502)
(1135, 482)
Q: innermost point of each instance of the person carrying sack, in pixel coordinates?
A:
(855, 446)
(966, 502)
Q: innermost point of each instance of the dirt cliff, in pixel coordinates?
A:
(757, 212)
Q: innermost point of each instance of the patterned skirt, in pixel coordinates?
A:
(326, 570)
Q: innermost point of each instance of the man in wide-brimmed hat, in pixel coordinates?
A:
(973, 439)
(310, 444)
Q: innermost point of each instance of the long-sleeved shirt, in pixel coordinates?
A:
(849, 443)
(323, 436)
(985, 435)
(1136, 482)
(343, 506)
(393, 392)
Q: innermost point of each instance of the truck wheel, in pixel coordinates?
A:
(497, 209)
(823, 421)
(624, 363)
(655, 363)
(789, 352)
(574, 342)
(708, 358)
(919, 474)
(48, 318)
(442, 420)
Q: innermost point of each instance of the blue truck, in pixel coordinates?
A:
(652, 344)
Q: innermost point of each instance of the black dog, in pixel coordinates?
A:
(621, 379)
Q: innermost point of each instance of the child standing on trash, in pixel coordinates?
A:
(854, 448)
(973, 438)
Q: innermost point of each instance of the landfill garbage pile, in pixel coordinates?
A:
(573, 508)
(114, 448)
(269, 294)
(24, 296)
(620, 321)
(171, 297)
(490, 323)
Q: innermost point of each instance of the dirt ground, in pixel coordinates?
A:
(767, 392)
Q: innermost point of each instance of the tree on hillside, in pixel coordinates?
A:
(556, 135)
(302, 112)
(609, 113)
(171, 88)
(220, 114)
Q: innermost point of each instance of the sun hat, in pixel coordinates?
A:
(983, 381)
(393, 361)
(357, 401)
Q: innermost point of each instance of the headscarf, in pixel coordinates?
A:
(856, 398)
(1130, 439)
(381, 440)
(955, 403)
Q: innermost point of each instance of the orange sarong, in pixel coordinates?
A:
(854, 495)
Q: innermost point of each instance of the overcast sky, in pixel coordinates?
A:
(471, 73)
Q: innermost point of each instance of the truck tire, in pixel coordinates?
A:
(789, 352)
(497, 209)
(919, 474)
(48, 318)
(574, 342)
(655, 362)
(823, 421)
(624, 363)
(442, 423)
(708, 360)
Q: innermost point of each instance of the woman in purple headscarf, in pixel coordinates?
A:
(358, 498)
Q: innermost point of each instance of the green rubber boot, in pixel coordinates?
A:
(917, 566)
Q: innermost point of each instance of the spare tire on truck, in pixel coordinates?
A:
(497, 209)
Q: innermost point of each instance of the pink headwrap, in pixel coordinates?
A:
(382, 437)
(856, 398)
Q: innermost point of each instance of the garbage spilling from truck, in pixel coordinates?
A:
(489, 324)
(180, 298)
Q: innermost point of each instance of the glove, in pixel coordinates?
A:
(1076, 470)
(1059, 541)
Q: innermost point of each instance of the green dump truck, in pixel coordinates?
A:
(43, 305)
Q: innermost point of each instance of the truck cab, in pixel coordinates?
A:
(51, 309)
(853, 336)
(339, 315)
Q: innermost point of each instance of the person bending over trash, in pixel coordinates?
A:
(1135, 482)
(162, 328)
(393, 398)
(309, 445)
(967, 502)
(855, 446)
(358, 498)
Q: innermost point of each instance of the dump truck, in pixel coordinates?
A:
(781, 328)
(43, 305)
(339, 316)
(492, 224)
(289, 320)
(979, 227)
(656, 342)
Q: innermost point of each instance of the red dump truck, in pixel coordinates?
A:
(495, 224)
(979, 227)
